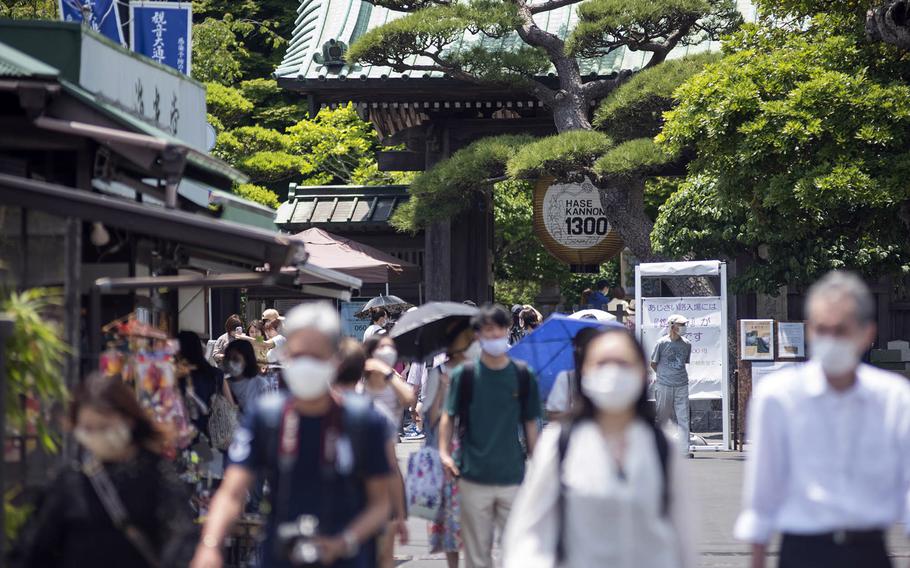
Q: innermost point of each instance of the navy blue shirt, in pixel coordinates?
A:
(598, 300)
(334, 492)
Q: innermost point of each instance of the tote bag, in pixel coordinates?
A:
(423, 485)
(222, 422)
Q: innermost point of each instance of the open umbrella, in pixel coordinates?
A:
(548, 349)
(596, 315)
(425, 331)
(393, 304)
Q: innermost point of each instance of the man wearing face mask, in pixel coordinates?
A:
(490, 396)
(671, 388)
(323, 457)
(829, 466)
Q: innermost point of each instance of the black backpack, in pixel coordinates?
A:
(466, 393)
(565, 435)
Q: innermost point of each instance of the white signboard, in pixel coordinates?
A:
(573, 215)
(704, 331)
(351, 325)
(155, 94)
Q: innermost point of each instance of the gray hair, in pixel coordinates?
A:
(319, 316)
(840, 284)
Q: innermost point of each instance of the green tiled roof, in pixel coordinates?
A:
(348, 205)
(318, 21)
(14, 63)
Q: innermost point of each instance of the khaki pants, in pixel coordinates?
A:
(483, 509)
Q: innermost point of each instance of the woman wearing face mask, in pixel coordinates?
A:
(122, 461)
(620, 499)
(390, 393)
(244, 380)
(445, 531)
(200, 380)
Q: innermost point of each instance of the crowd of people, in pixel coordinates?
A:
(603, 484)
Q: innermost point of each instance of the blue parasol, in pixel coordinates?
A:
(548, 349)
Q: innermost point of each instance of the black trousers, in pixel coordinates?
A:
(800, 551)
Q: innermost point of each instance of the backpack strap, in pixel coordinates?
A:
(465, 396)
(663, 453)
(524, 388)
(565, 434)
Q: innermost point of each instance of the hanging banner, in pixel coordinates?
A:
(163, 32)
(101, 15)
(704, 331)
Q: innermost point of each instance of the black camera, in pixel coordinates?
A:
(297, 540)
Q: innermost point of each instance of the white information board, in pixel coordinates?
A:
(704, 331)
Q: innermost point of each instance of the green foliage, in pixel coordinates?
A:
(639, 157)
(29, 9)
(34, 360)
(636, 108)
(449, 187)
(804, 8)
(228, 105)
(258, 194)
(808, 132)
(15, 516)
(273, 106)
(434, 30)
(562, 156)
(217, 51)
(606, 25)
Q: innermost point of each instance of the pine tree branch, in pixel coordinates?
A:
(548, 5)
(536, 37)
(602, 87)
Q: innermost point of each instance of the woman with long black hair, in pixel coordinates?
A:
(199, 381)
(604, 488)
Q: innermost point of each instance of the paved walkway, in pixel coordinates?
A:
(717, 480)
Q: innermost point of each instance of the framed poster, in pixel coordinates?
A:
(791, 340)
(756, 340)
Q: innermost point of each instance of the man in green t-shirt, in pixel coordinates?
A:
(491, 462)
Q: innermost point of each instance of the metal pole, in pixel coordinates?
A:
(6, 328)
(95, 323)
(725, 357)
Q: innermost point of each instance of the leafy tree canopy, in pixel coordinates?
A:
(803, 152)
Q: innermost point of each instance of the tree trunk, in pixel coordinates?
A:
(624, 207)
(570, 111)
(889, 23)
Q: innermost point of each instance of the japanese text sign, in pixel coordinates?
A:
(163, 32)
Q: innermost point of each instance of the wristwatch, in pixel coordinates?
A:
(390, 375)
(351, 544)
(210, 541)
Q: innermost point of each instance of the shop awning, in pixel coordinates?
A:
(232, 241)
(369, 264)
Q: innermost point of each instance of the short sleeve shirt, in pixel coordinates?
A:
(560, 398)
(333, 493)
(671, 358)
(491, 451)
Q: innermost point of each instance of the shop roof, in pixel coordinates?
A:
(231, 241)
(14, 63)
(340, 207)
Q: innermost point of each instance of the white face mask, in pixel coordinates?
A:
(613, 387)
(836, 355)
(308, 378)
(106, 445)
(235, 369)
(387, 355)
(495, 347)
(681, 329)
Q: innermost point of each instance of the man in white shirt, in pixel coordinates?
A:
(829, 466)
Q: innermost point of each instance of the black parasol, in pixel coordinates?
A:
(421, 333)
(393, 304)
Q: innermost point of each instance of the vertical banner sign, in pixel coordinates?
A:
(163, 32)
(101, 15)
(704, 331)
